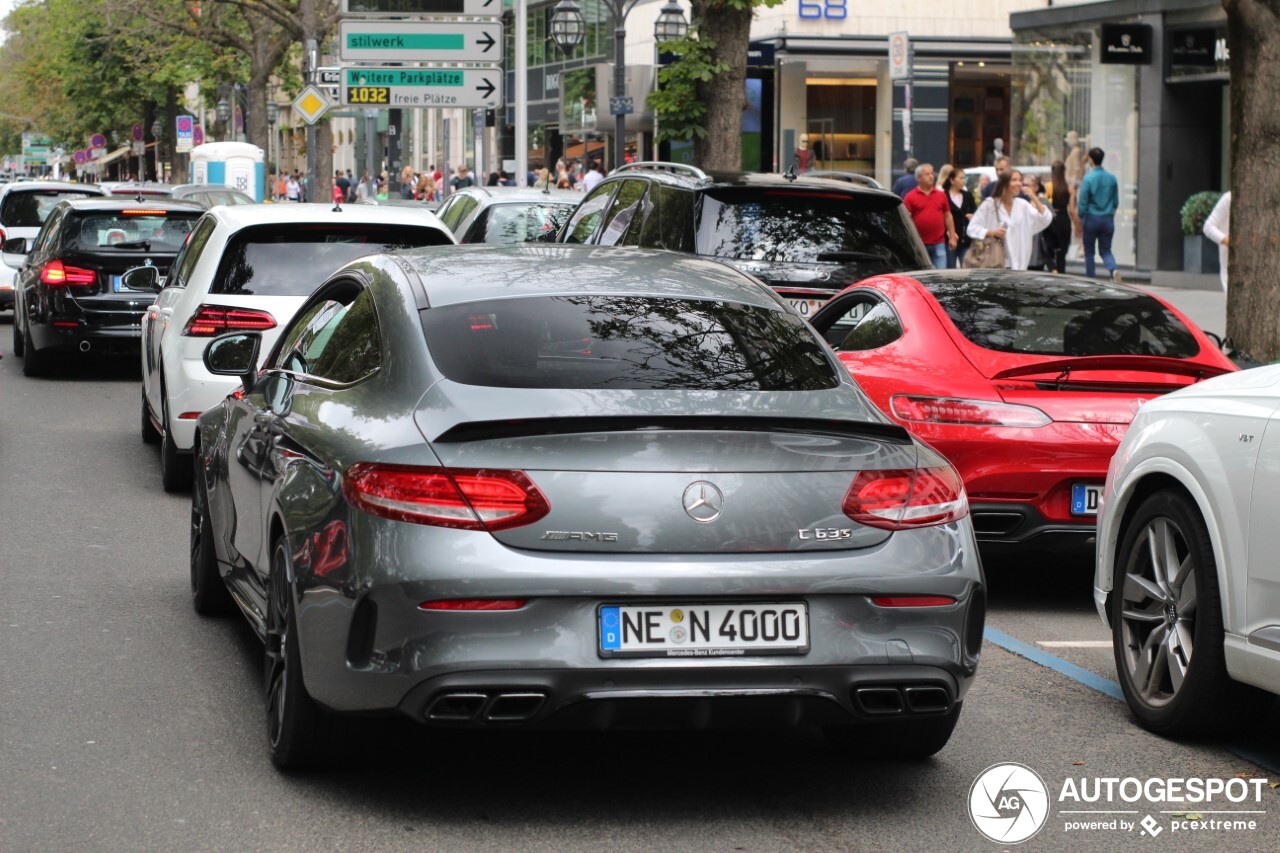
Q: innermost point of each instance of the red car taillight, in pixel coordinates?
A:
(58, 273)
(903, 498)
(468, 498)
(950, 410)
(212, 320)
(474, 604)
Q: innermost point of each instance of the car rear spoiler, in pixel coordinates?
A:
(1148, 363)
(524, 427)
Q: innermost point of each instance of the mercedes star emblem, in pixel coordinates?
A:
(703, 502)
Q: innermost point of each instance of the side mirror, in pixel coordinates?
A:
(15, 246)
(235, 354)
(142, 279)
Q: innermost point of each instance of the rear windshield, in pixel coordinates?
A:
(1047, 315)
(519, 223)
(626, 342)
(153, 231)
(293, 260)
(30, 208)
(808, 226)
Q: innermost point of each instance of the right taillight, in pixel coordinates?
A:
(903, 498)
(468, 498)
(209, 321)
(59, 274)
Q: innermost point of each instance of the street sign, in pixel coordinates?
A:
(97, 141)
(414, 41)
(622, 106)
(139, 148)
(80, 156)
(136, 133)
(197, 136)
(184, 133)
(311, 104)
(899, 56)
(384, 88)
(402, 8)
(328, 76)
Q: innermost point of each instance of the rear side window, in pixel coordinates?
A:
(670, 224)
(1046, 315)
(585, 219)
(152, 231)
(809, 226)
(335, 342)
(626, 342)
(30, 208)
(519, 223)
(186, 260)
(292, 260)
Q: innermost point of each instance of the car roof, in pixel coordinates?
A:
(36, 186)
(1011, 279)
(116, 202)
(692, 178)
(243, 215)
(496, 195)
(134, 187)
(479, 271)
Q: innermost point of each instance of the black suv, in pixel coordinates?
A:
(807, 237)
(70, 290)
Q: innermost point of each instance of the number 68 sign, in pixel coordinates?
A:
(835, 10)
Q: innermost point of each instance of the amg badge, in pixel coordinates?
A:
(578, 536)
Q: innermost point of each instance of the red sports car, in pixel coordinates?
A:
(1025, 381)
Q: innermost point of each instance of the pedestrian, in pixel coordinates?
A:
(425, 189)
(1056, 239)
(962, 209)
(1096, 206)
(461, 179)
(1001, 165)
(438, 177)
(984, 181)
(406, 182)
(505, 180)
(593, 177)
(1218, 229)
(493, 180)
(543, 180)
(293, 191)
(351, 186)
(1004, 217)
(340, 181)
(1032, 188)
(304, 186)
(281, 189)
(931, 212)
(907, 182)
(384, 184)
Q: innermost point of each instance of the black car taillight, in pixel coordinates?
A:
(58, 274)
(212, 320)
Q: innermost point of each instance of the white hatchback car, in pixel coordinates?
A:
(1187, 575)
(23, 208)
(246, 267)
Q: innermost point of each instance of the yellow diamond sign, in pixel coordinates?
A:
(311, 104)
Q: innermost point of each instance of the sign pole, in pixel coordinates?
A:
(522, 93)
(312, 47)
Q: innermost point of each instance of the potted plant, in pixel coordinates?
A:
(1199, 253)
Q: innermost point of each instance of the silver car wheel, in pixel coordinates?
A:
(1158, 612)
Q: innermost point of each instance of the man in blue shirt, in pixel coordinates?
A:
(907, 182)
(1096, 203)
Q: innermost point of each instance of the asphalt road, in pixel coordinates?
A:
(129, 723)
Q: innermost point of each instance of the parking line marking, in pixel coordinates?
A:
(1268, 760)
(1074, 644)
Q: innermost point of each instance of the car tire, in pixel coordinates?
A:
(209, 594)
(34, 362)
(17, 336)
(1166, 623)
(296, 725)
(916, 738)
(150, 435)
(175, 467)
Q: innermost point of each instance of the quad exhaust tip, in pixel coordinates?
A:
(889, 700)
(495, 707)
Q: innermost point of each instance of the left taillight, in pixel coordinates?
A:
(906, 498)
(466, 498)
(212, 320)
(59, 274)
(951, 410)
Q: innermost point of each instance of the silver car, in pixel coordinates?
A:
(552, 485)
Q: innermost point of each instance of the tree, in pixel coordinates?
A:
(712, 67)
(1253, 301)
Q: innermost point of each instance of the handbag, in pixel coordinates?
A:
(986, 254)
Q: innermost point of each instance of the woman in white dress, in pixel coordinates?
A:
(1013, 217)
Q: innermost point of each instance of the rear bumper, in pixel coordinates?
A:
(110, 339)
(684, 699)
(1011, 527)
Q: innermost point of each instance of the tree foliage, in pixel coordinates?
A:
(681, 113)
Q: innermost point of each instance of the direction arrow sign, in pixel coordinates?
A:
(421, 87)
(412, 41)
(470, 8)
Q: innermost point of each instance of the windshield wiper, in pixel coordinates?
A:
(144, 245)
(850, 256)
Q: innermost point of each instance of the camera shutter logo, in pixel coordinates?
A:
(1008, 803)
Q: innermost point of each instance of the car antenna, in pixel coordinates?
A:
(790, 174)
(1062, 377)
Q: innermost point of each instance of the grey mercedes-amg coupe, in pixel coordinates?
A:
(553, 485)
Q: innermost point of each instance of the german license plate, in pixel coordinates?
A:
(704, 630)
(806, 307)
(116, 285)
(1084, 499)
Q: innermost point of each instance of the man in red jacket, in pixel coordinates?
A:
(931, 212)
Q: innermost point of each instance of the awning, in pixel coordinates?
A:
(113, 156)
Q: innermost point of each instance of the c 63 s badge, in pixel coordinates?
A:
(578, 536)
(825, 533)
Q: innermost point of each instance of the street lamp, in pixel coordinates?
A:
(223, 111)
(157, 127)
(569, 27)
(273, 115)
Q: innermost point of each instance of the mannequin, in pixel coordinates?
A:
(997, 151)
(803, 157)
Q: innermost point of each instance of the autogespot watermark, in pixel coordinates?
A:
(1009, 803)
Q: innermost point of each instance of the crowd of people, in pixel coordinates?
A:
(1015, 221)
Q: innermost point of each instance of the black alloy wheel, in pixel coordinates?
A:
(296, 725)
(150, 435)
(209, 595)
(1166, 622)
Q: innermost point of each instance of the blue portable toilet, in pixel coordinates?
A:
(238, 165)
